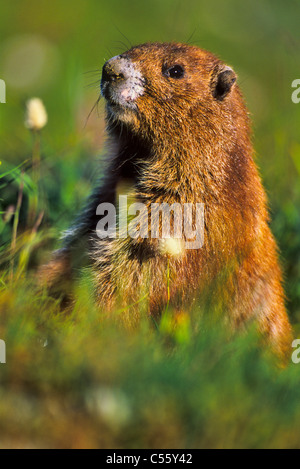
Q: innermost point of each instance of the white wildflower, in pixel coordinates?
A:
(36, 116)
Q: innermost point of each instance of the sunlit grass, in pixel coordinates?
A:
(81, 379)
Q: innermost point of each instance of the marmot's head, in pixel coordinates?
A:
(159, 86)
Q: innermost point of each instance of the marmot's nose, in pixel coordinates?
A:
(114, 69)
(110, 73)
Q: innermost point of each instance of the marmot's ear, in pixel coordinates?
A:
(222, 81)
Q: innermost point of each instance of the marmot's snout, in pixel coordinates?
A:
(122, 82)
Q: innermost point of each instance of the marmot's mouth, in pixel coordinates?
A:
(118, 96)
(114, 108)
(118, 112)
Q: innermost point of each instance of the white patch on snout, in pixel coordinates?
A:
(126, 91)
(130, 94)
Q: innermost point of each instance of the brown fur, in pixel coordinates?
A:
(187, 143)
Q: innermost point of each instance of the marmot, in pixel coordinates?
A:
(179, 133)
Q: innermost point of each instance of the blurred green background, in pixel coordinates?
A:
(55, 50)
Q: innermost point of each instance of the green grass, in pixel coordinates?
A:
(83, 380)
(79, 378)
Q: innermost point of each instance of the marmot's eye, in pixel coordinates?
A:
(176, 71)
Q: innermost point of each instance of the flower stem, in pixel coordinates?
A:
(36, 159)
